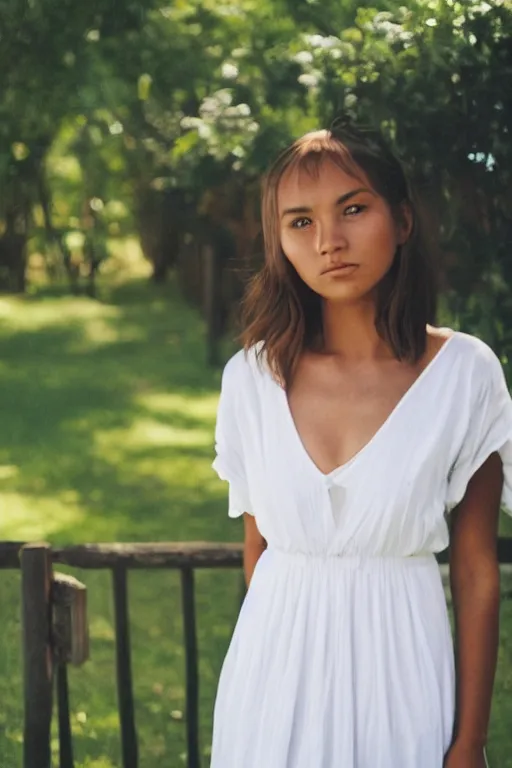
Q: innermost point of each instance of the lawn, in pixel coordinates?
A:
(106, 434)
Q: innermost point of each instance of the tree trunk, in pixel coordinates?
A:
(161, 217)
(13, 243)
(55, 237)
(13, 261)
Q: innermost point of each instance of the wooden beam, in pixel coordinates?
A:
(36, 577)
(198, 554)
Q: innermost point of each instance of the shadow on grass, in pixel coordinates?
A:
(110, 418)
(107, 434)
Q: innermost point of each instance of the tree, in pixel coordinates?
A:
(44, 57)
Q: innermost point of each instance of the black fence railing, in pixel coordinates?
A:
(54, 631)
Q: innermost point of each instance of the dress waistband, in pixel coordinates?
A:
(355, 561)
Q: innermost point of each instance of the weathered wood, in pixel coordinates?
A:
(36, 576)
(70, 628)
(65, 738)
(199, 554)
(129, 746)
(191, 671)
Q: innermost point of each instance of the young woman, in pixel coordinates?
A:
(352, 431)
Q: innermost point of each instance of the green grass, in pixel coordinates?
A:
(106, 434)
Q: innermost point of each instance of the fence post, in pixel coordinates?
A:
(191, 668)
(70, 640)
(129, 744)
(36, 579)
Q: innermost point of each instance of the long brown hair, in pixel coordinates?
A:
(282, 315)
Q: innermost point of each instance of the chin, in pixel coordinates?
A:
(346, 293)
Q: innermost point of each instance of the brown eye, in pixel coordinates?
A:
(300, 223)
(354, 209)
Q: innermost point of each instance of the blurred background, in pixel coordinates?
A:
(132, 137)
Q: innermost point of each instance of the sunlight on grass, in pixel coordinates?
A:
(30, 518)
(172, 403)
(126, 261)
(8, 471)
(147, 432)
(23, 313)
(101, 629)
(108, 435)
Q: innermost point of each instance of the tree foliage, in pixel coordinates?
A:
(163, 105)
(432, 76)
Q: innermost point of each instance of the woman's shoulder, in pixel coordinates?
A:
(244, 363)
(476, 348)
(477, 358)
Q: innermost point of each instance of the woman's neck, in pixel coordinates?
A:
(349, 332)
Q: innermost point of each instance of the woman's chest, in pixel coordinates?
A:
(335, 415)
(409, 452)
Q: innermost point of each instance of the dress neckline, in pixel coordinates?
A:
(390, 417)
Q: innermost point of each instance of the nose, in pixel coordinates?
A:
(330, 238)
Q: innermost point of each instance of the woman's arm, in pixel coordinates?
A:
(475, 584)
(254, 546)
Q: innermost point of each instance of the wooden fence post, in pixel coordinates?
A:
(70, 640)
(191, 671)
(129, 744)
(36, 579)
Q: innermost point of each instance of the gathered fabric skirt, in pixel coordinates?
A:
(337, 662)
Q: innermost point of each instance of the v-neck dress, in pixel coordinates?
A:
(342, 655)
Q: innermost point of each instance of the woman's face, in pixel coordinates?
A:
(338, 233)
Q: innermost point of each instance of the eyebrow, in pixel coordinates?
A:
(339, 201)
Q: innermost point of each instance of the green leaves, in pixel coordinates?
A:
(196, 92)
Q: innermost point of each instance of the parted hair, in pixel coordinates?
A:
(282, 315)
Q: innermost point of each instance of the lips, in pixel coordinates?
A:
(339, 267)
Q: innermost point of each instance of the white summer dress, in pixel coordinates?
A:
(342, 655)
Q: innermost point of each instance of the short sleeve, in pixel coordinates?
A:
(489, 430)
(229, 460)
